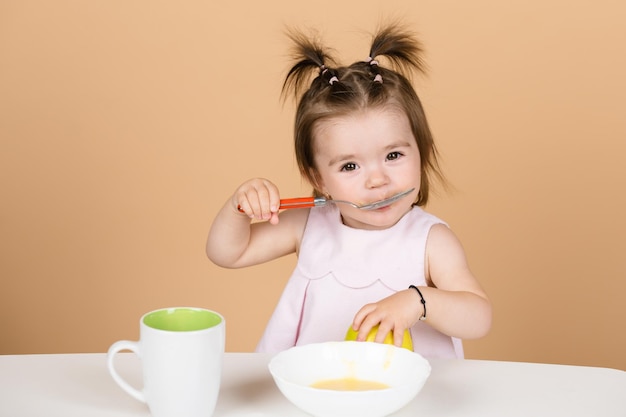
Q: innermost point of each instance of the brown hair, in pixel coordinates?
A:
(339, 90)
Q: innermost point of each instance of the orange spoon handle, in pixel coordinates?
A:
(300, 202)
(294, 203)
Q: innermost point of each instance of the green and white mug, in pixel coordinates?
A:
(181, 351)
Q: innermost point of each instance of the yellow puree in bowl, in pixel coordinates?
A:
(349, 384)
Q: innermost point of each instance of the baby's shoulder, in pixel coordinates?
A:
(443, 243)
(295, 221)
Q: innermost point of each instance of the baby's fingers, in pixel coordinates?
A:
(264, 201)
(365, 319)
(360, 316)
(259, 199)
(398, 336)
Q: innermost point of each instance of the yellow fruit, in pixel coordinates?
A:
(407, 343)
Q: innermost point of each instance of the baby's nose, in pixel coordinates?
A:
(377, 177)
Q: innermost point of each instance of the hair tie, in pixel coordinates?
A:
(378, 78)
(324, 70)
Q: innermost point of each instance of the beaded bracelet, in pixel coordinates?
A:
(422, 300)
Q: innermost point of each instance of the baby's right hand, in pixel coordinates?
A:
(259, 199)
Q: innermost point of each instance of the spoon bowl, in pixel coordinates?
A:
(386, 202)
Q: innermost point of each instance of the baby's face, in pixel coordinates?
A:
(368, 156)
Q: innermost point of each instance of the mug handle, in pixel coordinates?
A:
(116, 348)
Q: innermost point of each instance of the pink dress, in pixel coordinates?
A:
(340, 269)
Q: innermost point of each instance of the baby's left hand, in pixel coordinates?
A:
(396, 313)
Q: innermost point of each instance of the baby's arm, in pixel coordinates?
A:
(234, 241)
(456, 304)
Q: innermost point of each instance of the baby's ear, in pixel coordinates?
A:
(316, 182)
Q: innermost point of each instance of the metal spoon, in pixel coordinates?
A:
(290, 203)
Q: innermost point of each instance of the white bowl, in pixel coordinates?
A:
(295, 369)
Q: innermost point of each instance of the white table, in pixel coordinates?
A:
(78, 385)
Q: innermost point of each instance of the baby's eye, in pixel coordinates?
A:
(393, 155)
(350, 166)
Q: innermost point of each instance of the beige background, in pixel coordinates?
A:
(124, 126)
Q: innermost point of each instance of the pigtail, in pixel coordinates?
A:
(401, 47)
(309, 55)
